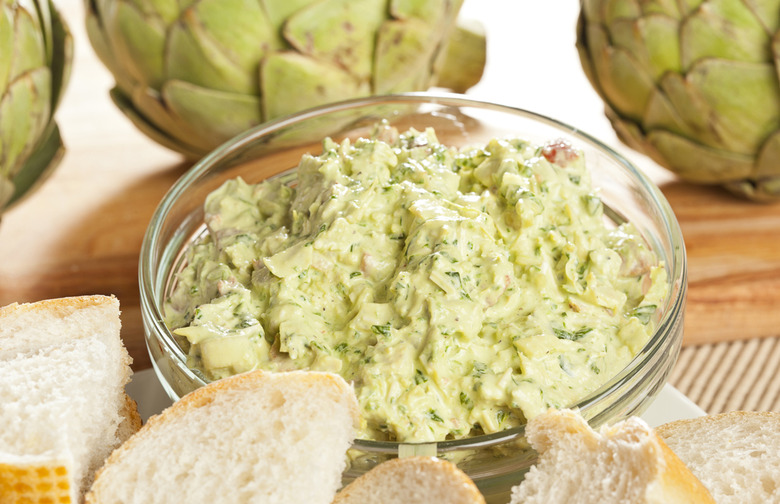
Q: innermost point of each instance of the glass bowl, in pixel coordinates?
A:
(497, 461)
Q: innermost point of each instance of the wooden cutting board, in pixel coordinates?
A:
(82, 231)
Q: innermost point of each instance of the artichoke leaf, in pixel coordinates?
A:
(162, 11)
(768, 162)
(619, 76)
(607, 11)
(196, 50)
(699, 163)
(661, 114)
(691, 107)
(431, 11)
(136, 109)
(723, 29)
(403, 59)
(145, 108)
(464, 58)
(667, 8)
(29, 47)
(62, 57)
(339, 32)
(761, 190)
(279, 10)
(652, 41)
(139, 42)
(583, 51)
(767, 12)
(236, 36)
(214, 116)
(38, 166)
(24, 113)
(743, 100)
(632, 135)
(6, 47)
(776, 53)
(44, 8)
(98, 39)
(6, 192)
(292, 82)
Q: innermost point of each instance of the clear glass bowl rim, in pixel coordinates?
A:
(149, 283)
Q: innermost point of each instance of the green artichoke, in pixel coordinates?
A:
(36, 51)
(692, 84)
(192, 74)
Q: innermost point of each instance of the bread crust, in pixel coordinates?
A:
(729, 417)
(61, 307)
(327, 383)
(461, 488)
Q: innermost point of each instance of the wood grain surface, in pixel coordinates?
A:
(81, 232)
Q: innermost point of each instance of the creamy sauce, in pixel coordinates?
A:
(461, 291)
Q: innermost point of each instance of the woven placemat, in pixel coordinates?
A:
(728, 376)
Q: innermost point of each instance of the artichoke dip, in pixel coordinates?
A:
(461, 291)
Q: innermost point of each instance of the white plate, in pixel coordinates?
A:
(670, 404)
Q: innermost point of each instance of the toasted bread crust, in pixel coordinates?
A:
(326, 383)
(729, 417)
(461, 488)
(59, 306)
(131, 419)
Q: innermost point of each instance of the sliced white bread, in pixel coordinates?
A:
(736, 454)
(411, 480)
(624, 463)
(63, 409)
(256, 437)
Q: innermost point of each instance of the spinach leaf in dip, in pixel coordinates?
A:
(462, 291)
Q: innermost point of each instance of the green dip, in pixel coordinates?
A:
(461, 291)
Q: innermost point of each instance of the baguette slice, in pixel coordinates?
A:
(625, 463)
(411, 480)
(736, 454)
(63, 409)
(255, 437)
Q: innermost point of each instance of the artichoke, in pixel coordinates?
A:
(36, 52)
(692, 84)
(192, 74)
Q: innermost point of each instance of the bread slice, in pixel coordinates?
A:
(411, 480)
(63, 409)
(255, 437)
(624, 463)
(736, 454)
